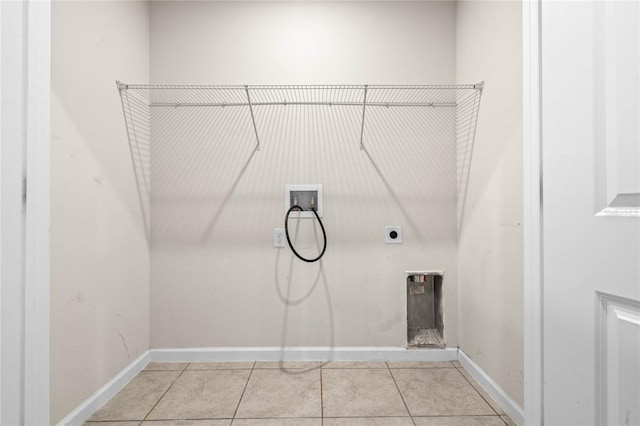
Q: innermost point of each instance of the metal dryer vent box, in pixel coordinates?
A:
(425, 325)
(303, 196)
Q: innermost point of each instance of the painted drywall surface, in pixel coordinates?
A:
(489, 47)
(99, 249)
(216, 279)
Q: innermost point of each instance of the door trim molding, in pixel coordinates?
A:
(38, 206)
(532, 214)
(26, 143)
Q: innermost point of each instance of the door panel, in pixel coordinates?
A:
(591, 229)
(617, 355)
(617, 99)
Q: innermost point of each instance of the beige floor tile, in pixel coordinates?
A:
(354, 364)
(278, 422)
(459, 421)
(367, 421)
(482, 392)
(360, 393)
(138, 397)
(437, 364)
(439, 392)
(456, 364)
(218, 422)
(508, 420)
(221, 365)
(202, 395)
(287, 365)
(166, 366)
(276, 393)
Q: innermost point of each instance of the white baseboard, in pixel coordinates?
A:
(85, 410)
(363, 353)
(496, 392)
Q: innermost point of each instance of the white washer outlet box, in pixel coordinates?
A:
(393, 234)
(305, 196)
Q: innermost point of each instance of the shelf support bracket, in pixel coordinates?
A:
(364, 109)
(253, 119)
(121, 85)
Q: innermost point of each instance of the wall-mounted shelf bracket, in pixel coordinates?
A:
(253, 119)
(364, 109)
(121, 86)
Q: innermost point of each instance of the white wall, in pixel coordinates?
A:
(489, 47)
(216, 279)
(99, 250)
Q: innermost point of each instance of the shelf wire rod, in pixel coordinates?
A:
(471, 131)
(402, 95)
(364, 109)
(124, 95)
(135, 137)
(312, 103)
(253, 119)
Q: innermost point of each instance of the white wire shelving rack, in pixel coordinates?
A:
(465, 98)
(459, 107)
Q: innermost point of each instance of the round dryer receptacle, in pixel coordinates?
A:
(393, 234)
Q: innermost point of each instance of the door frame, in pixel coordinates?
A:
(532, 214)
(28, 144)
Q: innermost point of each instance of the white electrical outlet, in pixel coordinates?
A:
(279, 239)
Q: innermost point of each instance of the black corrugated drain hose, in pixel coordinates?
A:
(286, 231)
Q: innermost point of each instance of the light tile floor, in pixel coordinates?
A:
(301, 394)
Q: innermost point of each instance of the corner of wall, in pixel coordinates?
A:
(490, 242)
(100, 280)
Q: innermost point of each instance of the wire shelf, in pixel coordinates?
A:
(155, 113)
(261, 95)
(461, 97)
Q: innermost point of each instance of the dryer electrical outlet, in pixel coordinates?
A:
(393, 234)
(305, 196)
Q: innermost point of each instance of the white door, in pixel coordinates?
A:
(591, 212)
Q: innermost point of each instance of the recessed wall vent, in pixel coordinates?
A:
(425, 325)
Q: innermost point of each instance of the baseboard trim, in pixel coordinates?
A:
(85, 410)
(496, 392)
(364, 353)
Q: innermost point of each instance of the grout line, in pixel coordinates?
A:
(311, 417)
(415, 368)
(478, 392)
(321, 401)
(165, 392)
(240, 419)
(402, 397)
(243, 390)
(374, 417)
(174, 421)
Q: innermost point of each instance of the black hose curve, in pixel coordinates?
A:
(286, 231)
